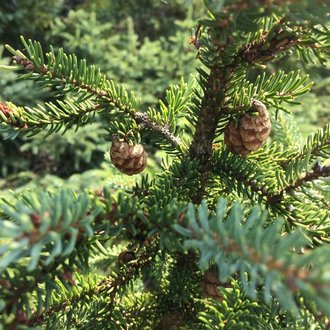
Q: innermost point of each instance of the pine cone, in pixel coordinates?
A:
(210, 284)
(128, 159)
(251, 132)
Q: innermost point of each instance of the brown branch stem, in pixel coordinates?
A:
(317, 172)
(209, 116)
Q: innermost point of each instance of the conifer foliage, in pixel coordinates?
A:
(233, 233)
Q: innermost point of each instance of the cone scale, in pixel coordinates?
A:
(251, 131)
(128, 159)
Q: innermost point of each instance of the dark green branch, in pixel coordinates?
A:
(269, 46)
(18, 292)
(317, 172)
(107, 285)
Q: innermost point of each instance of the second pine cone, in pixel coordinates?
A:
(128, 159)
(251, 131)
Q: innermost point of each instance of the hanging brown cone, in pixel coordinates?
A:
(128, 159)
(210, 284)
(251, 131)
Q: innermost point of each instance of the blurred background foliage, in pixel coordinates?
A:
(141, 44)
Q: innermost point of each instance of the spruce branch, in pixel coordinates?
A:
(277, 88)
(308, 37)
(316, 145)
(45, 227)
(252, 314)
(65, 74)
(239, 244)
(317, 172)
(52, 116)
(246, 175)
(61, 232)
(42, 237)
(227, 59)
(13, 292)
(268, 47)
(261, 180)
(224, 56)
(108, 286)
(58, 209)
